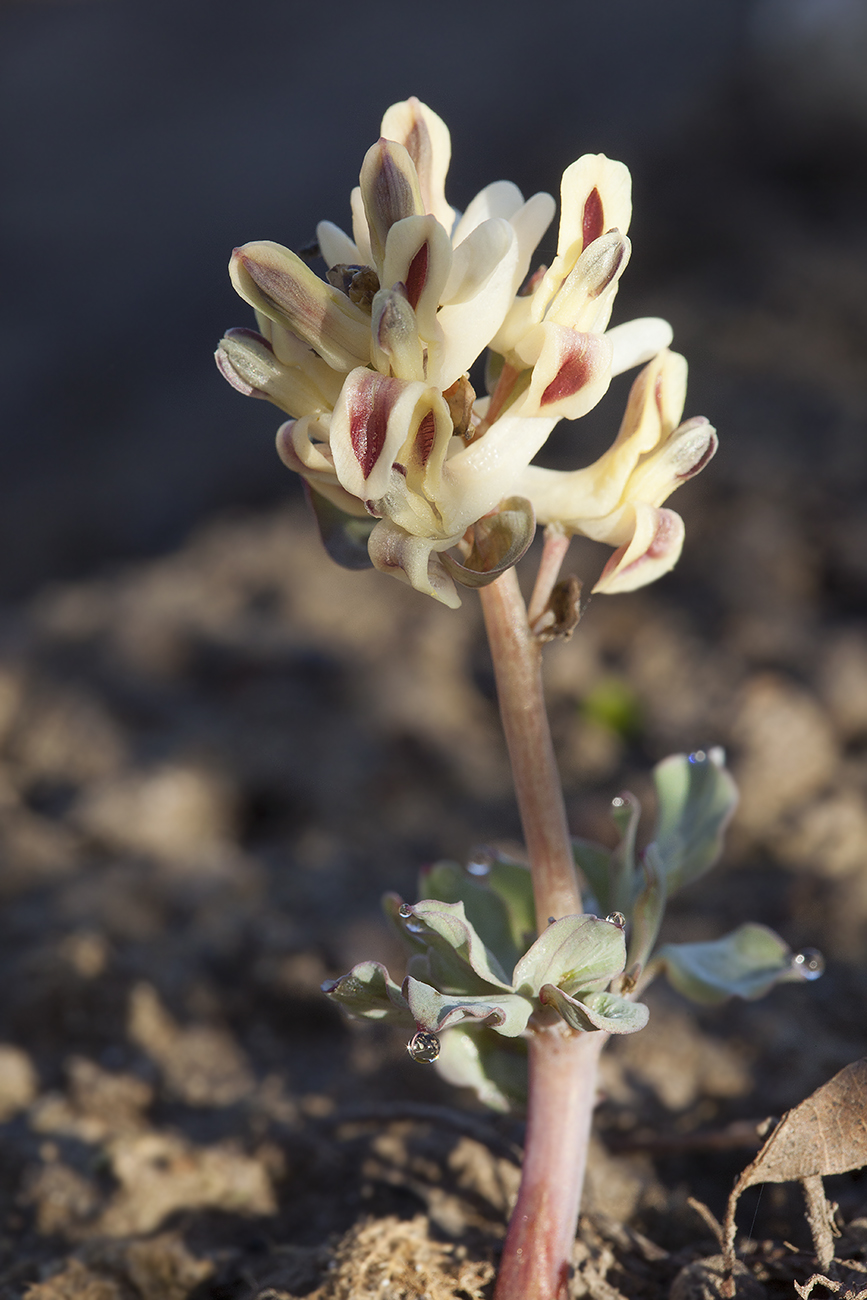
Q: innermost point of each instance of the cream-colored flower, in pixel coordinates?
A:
(372, 364)
(618, 498)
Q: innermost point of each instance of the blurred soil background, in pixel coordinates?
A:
(217, 750)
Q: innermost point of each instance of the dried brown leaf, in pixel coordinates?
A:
(826, 1134)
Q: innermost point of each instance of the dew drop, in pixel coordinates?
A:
(618, 802)
(551, 920)
(480, 863)
(404, 911)
(698, 757)
(809, 964)
(424, 1047)
(618, 919)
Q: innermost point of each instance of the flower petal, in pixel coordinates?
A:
(248, 362)
(397, 349)
(277, 283)
(471, 319)
(418, 255)
(657, 541)
(636, 342)
(595, 197)
(373, 419)
(571, 371)
(426, 139)
(584, 300)
(413, 560)
(336, 246)
(389, 191)
(684, 454)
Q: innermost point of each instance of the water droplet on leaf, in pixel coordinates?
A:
(551, 920)
(618, 802)
(424, 1047)
(698, 757)
(618, 919)
(809, 964)
(404, 911)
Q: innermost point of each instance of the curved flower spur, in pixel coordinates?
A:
(402, 460)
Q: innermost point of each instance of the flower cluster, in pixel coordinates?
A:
(373, 364)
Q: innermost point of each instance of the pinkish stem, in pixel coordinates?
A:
(538, 1249)
(556, 545)
(517, 658)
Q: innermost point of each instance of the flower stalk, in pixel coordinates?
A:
(562, 1062)
(517, 659)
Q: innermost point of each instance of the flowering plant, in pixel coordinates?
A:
(409, 470)
(373, 363)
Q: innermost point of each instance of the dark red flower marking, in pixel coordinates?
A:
(416, 277)
(593, 223)
(368, 419)
(574, 373)
(424, 438)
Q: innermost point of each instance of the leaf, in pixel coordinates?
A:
(826, 1134)
(590, 1011)
(697, 798)
(576, 952)
(485, 909)
(594, 863)
(494, 1067)
(499, 542)
(455, 957)
(746, 963)
(344, 536)
(513, 882)
(434, 1011)
(647, 911)
(369, 992)
(625, 813)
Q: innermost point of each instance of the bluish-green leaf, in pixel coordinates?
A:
(647, 910)
(576, 952)
(600, 1010)
(594, 863)
(485, 909)
(625, 813)
(746, 963)
(507, 1013)
(513, 883)
(447, 949)
(493, 1066)
(696, 798)
(369, 992)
